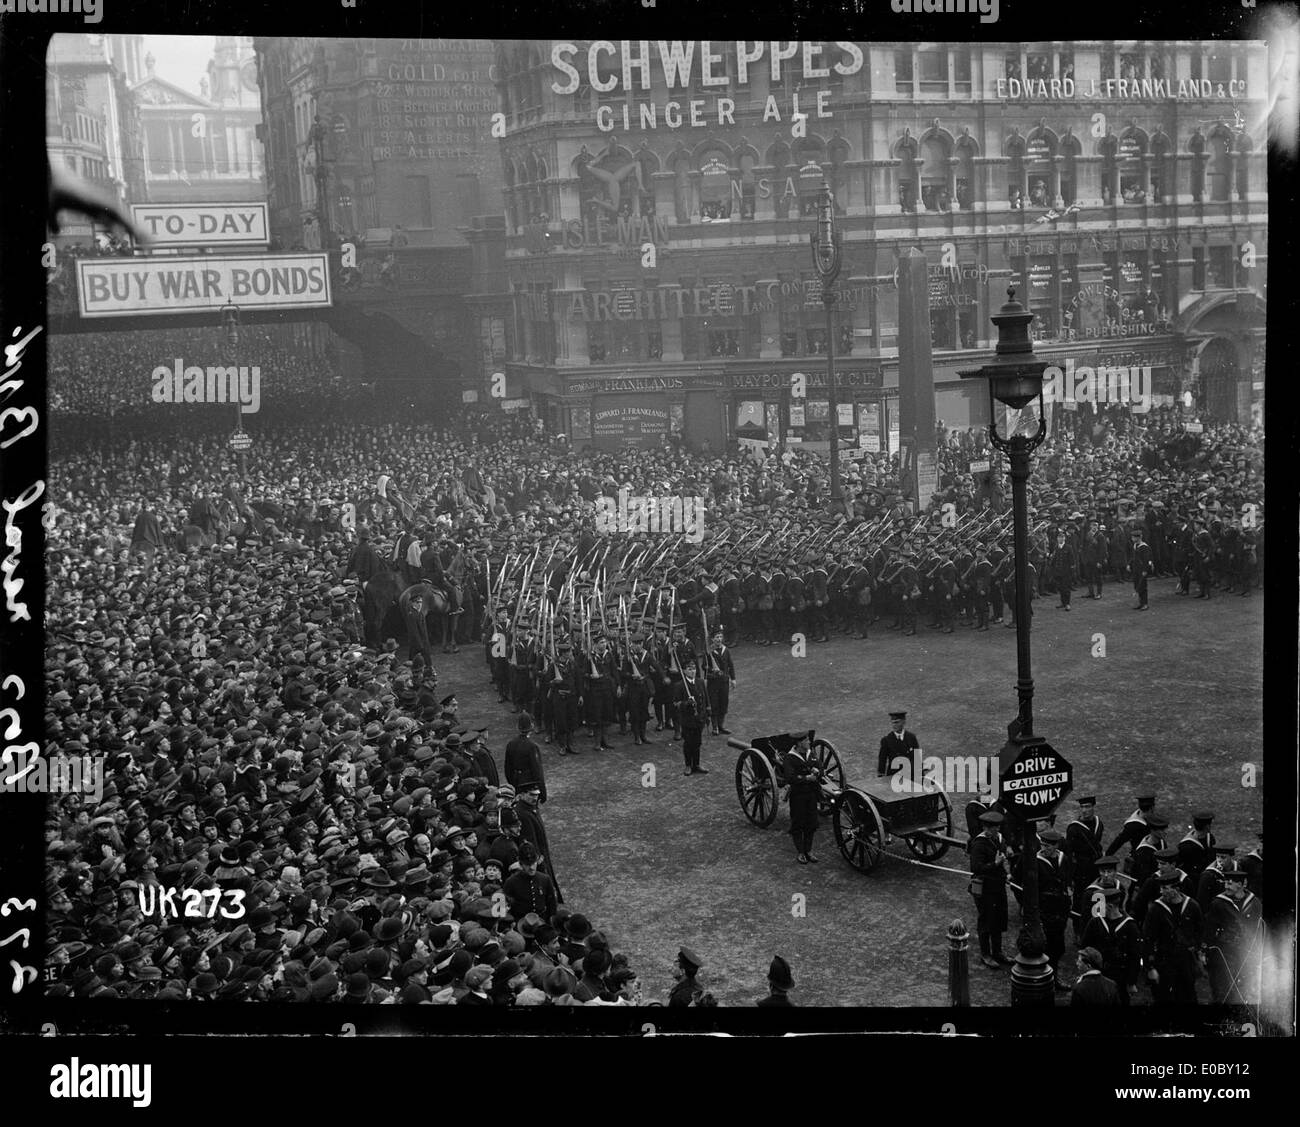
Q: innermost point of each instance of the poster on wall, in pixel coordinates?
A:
(581, 417)
(750, 420)
(797, 415)
(773, 412)
(626, 419)
(869, 427)
(676, 417)
(845, 413)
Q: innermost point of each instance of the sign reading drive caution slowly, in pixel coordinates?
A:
(121, 287)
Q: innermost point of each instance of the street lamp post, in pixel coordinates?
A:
(230, 322)
(827, 259)
(1015, 378)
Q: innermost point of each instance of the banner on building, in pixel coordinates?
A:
(123, 287)
(202, 224)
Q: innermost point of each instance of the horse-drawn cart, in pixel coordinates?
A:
(866, 818)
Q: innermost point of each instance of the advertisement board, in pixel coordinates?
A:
(202, 224)
(124, 287)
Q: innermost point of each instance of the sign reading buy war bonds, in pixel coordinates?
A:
(121, 287)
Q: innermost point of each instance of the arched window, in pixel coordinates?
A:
(512, 206)
(965, 178)
(1016, 171)
(1220, 164)
(1132, 166)
(1040, 166)
(908, 171)
(934, 174)
(715, 190)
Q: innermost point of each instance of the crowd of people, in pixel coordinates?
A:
(209, 635)
(102, 376)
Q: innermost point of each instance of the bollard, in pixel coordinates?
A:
(958, 964)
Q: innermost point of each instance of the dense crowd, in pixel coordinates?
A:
(258, 747)
(102, 375)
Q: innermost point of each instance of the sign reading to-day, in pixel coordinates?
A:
(202, 224)
(122, 287)
(1035, 779)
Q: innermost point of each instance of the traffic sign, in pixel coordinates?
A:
(241, 441)
(1034, 780)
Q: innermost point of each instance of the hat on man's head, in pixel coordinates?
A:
(1091, 958)
(778, 973)
(689, 960)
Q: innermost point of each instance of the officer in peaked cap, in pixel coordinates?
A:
(687, 990)
(988, 886)
(896, 744)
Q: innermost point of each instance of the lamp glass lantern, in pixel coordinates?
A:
(1015, 374)
(230, 314)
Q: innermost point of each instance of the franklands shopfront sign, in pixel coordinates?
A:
(740, 381)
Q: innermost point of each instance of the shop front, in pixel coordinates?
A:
(767, 406)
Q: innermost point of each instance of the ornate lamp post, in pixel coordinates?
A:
(827, 259)
(1015, 378)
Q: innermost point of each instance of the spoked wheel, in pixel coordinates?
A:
(756, 787)
(822, 754)
(927, 848)
(859, 831)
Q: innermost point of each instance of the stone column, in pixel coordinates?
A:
(887, 200)
(765, 208)
(662, 183)
(670, 328)
(571, 335)
(569, 199)
(1058, 161)
(770, 326)
(987, 195)
(860, 319)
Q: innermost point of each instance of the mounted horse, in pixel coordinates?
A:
(381, 610)
(446, 594)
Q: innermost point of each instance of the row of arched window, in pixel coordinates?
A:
(936, 172)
